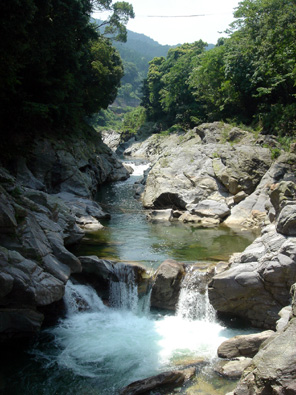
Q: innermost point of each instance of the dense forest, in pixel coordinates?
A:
(247, 78)
(56, 68)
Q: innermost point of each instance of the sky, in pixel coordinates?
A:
(214, 16)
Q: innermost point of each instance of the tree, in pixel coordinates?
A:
(55, 67)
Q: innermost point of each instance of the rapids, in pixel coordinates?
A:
(98, 349)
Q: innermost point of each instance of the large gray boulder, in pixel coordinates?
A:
(204, 172)
(258, 283)
(76, 166)
(273, 368)
(167, 285)
(243, 345)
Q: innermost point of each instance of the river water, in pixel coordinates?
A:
(98, 349)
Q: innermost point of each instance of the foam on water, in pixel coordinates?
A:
(138, 168)
(116, 346)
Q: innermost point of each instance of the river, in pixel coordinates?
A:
(97, 349)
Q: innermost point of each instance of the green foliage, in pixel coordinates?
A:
(249, 77)
(55, 68)
(114, 26)
(166, 92)
(134, 119)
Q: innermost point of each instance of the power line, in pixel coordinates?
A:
(181, 16)
(175, 16)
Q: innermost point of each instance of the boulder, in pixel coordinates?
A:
(164, 380)
(72, 166)
(100, 268)
(277, 185)
(257, 284)
(160, 215)
(232, 369)
(273, 369)
(199, 168)
(14, 322)
(285, 315)
(209, 208)
(286, 223)
(167, 285)
(243, 345)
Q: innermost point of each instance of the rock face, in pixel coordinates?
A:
(202, 172)
(257, 284)
(42, 206)
(243, 345)
(273, 369)
(253, 209)
(167, 284)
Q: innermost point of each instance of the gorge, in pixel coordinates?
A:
(128, 335)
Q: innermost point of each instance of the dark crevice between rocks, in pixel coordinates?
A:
(169, 200)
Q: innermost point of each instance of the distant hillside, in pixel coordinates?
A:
(136, 54)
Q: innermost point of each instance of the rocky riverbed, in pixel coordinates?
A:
(45, 206)
(216, 174)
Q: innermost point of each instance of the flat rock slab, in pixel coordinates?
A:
(243, 345)
(167, 379)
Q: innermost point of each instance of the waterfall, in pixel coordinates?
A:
(123, 294)
(80, 297)
(193, 301)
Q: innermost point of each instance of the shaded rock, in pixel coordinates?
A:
(81, 207)
(62, 254)
(26, 178)
(101, 268)
(53, 266)
(74, 167)
(6, 284)
(286, 223)
(7, 216)
(167, 284)
(243, 345)
(14, 322)
(167, 379)
(232, 369)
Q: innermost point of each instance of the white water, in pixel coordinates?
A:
(115, 346)
(138, 168)
(194, 301)
(106, 348)
(123, 294)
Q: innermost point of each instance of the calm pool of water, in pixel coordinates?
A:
(128, 235)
